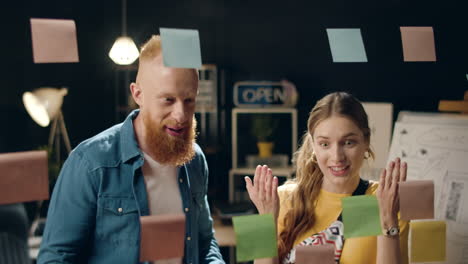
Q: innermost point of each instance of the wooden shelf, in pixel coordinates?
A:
(454, 106)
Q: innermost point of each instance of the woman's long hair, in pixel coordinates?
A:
(301, 216)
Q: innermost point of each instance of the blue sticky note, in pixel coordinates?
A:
(346, 45)
(181, 48)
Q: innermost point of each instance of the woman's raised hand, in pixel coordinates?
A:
(387, 192)
(263, 191)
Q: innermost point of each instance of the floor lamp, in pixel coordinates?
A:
(44, 105)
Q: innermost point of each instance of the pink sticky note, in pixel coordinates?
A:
(162, 237)
(416, 200)
(23, 177)
(54, 40)
(324, 254)
(418, 43)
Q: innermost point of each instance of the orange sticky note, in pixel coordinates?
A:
(54, 40)
(162, 237)
(24, 176)
(418, 43)
(324, 254)
(416, 200)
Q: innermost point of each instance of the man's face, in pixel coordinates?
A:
(167, 106)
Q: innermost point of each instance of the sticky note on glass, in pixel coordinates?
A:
(346, 45)
(361, 216)
(416, 200)
(428, 239)
(418, 43)
(24, 176)
(54, 40)
(255, 237)
(181, 48)
(324, 254)
(162, 237)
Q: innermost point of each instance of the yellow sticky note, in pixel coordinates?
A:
(428, 241)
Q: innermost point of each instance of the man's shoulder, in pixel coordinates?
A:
(103, 141)
(198, 150)
(199, 157)
(198, 169)
(101, 147)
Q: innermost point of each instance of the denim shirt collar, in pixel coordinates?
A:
(128, 142)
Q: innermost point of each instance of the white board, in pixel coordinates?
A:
(380, 116)
(436, 148)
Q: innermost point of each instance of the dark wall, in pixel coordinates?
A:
(87, 107)
(250, 40)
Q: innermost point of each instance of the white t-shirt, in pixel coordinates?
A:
(163, 192)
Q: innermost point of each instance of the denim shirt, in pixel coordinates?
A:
(100, 195)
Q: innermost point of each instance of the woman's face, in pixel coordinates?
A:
(339, 146)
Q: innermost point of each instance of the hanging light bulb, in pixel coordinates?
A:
(124, 51)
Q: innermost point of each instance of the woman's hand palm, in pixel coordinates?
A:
(263, 191)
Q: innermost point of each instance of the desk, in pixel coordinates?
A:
(226, 237)
(224, 234)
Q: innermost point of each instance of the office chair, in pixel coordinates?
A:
(14, 227)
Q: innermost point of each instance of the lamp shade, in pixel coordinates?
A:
(124, 51)
(44, 104)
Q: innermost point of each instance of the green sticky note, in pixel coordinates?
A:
(346, 45)
(361, 216)
(181, 48)
(255, 237)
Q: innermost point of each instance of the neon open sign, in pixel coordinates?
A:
(259, 93)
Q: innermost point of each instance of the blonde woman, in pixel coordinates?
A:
(327, 164)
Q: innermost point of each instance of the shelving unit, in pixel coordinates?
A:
(206, 109)
(243, 145)
(283, 174)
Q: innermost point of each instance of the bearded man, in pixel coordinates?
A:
(147, 165)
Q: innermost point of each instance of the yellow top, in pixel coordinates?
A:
(359, 250)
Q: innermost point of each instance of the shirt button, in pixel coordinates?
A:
(186, 209)
(188, 238)
(120, 210)
(180, 180)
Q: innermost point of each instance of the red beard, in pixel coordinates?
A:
(167, 149)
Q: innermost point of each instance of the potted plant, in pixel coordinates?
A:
(263, 127)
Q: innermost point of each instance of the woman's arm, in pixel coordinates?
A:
(388, 250)
(263, 192)
(388, 246)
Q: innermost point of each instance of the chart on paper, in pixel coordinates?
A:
(439, 152)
